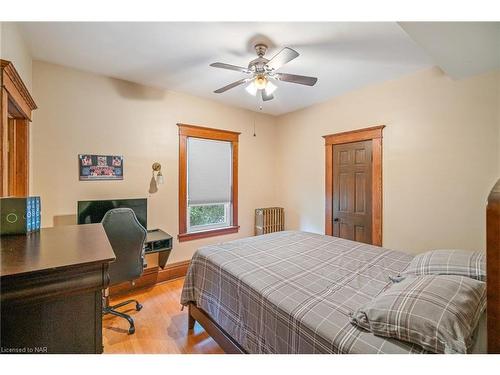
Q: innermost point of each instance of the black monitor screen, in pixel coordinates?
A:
(90, 212)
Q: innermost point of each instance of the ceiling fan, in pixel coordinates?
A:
(263, 71)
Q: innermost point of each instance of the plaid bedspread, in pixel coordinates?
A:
(293, 292)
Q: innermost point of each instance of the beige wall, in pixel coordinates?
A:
(86, 113)
(13, 48)
(441, 152)
(441, 157)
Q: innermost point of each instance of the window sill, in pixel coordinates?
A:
(207, 233)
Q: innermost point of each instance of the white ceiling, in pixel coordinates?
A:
(175, 56)
(461, 49)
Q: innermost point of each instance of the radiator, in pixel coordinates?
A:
(268, 220)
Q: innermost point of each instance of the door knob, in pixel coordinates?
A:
(336, 219)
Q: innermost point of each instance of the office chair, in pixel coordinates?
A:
(126, 237)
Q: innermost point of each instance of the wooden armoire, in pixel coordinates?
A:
(16, 106)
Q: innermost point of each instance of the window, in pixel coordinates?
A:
(208, 184)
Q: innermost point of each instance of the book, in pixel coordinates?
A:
(29, 214)
(38, 219)
(15, 215)
(20, 215)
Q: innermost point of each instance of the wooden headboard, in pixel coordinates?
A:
(493, 268)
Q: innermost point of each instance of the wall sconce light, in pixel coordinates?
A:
(159, 177)
(156, 179)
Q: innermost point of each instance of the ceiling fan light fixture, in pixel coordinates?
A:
(270, 88)
(251, 89)
(260, 82)
(262, 70)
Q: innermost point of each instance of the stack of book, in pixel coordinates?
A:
(20, 215)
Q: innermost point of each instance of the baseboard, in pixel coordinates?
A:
(173, 271)
(150, 277)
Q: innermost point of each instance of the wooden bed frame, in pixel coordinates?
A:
(225, 341)
(493, 269)
(230, 346)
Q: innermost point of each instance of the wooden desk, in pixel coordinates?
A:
(51, 285)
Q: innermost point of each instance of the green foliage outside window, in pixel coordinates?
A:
(206, 214)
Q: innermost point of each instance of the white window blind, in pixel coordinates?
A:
(209, 166)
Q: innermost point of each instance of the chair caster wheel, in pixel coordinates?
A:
(131, 330)
(138, 307)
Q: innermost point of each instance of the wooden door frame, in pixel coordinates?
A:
(16, 105)
(374, 134)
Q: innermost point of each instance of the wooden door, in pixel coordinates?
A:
(352, 191)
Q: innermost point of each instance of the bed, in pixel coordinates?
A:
(294, 292)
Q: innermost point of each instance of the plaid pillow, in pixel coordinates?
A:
(447, 262)
(437, 312)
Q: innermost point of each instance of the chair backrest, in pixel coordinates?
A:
(126, 236)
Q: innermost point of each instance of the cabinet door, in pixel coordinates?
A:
(18, 157)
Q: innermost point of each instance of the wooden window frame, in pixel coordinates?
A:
(194, 131)
(16, 105)
(375, 135)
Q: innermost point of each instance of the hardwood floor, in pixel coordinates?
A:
(160, 327)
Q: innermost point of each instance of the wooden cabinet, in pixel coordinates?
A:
(51, 290)
(16, 105)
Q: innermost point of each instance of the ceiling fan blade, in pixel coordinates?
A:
(232, 85)
(230, 67)
(294, 78)
(281, 58)
(266, 97)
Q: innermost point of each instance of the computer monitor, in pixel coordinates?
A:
(90, 212)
